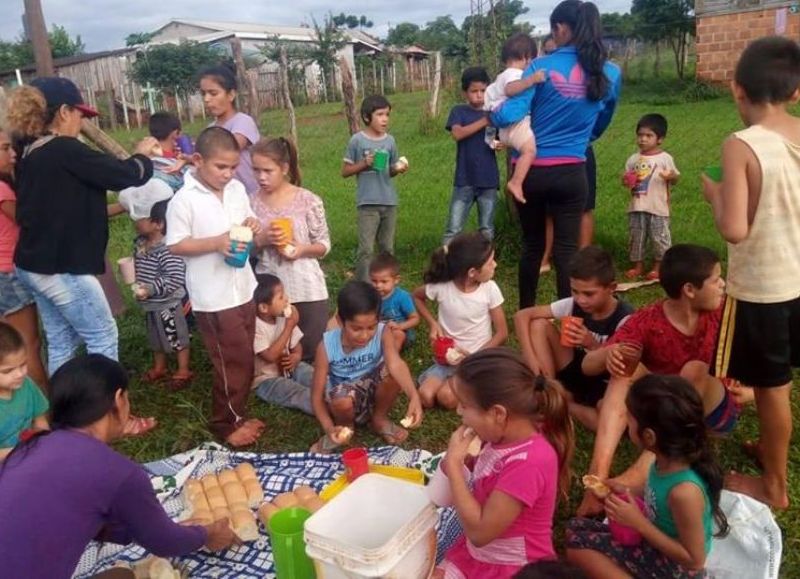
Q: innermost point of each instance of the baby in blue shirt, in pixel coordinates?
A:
(397, 307)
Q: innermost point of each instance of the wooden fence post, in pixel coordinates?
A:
(287, 96)
(349, 96)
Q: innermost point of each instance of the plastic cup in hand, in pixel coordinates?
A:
(567, 323)
(288, 546)
(127, 270)
(440, 347)
(240, 235)
(356, 462)
(630, 179)
(631, 355)
(623, 534)
(380, 160)
(185, 144)
(714, 173)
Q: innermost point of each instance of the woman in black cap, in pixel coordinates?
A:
(61, 210)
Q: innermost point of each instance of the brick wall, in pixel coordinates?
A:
(722, 37)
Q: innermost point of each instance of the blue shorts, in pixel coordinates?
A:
(724, 417)
(437, 371)
(13, 294)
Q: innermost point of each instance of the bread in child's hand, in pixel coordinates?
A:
(407, 422)
(241, 233)
(266, 511)
(285, 501)
(474, 448)
(226, 476)
(245, 471)
(244, 525)
(304, 492)
(343, 436)
(593, 483)
(253, 492)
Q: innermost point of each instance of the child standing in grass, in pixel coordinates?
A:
(459, 279)
(199, 221)
(358, 373)
(507, 511)
(649, 175)
(681, 495)
(22, 404)
(376, 196)
(295, 260)
(757, 210)
(476, 177)
(160, 279)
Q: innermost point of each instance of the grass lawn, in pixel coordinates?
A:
(695, 134)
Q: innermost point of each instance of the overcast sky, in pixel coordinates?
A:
(104, 24)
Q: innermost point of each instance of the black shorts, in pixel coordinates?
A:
(758, 344)
(591, 178)
(585, 390)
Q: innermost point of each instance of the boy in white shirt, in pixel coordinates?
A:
(199, 222)
(517, 53)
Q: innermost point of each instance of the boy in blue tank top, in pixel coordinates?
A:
(358, 374)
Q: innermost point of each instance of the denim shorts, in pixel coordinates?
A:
(13, 294)
(437, 371)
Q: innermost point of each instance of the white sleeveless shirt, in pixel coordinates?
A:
(765, 266)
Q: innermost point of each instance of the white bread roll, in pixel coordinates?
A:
(221, 513)
(217, 502)
(241, 233)
(254, 492)
(244, 525)
(246, 471)
(225, 477)
(203, 517)
(595, 484)
(200, 503)
(235, 493)
(313, 504)
(286, 501)
(265, 513)
(209, 481)
(304, 492)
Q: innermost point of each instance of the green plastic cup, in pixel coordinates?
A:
(381, 160)
(714, 173)
(288, 546)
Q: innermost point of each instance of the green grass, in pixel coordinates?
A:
(696, 132)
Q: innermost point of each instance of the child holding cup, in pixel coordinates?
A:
(588, 319)
(294, 236)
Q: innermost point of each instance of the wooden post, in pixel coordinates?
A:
(112, 107)
(251, 104)
(178, 105)
(37, 32)
(437, 80)
(189, 108)
(103, 142)
(137, 102)
(125, 108)
(349, 96)
(287, 96)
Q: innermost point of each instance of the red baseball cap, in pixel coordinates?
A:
(59, 91)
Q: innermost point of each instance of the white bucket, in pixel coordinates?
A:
(377, 527)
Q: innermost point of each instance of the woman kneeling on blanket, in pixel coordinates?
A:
(63, 488)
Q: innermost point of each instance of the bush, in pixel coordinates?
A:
(697, 91)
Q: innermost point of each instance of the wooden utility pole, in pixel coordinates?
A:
(349, 96)
(287, 95)
(37, 34)
(245, 85)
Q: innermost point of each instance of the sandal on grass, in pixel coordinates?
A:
(180, 381)
(325, 445)
(154, 376)
(138, 425)
(392, 433)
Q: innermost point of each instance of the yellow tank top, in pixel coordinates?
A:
(765, 266)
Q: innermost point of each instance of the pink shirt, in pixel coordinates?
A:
(9, 231)
(528, 472)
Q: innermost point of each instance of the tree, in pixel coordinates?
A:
(351, 21)
(20, 53)
(442, 34)
(404, 34)
(667, 20)
(624, 26)
(137, 38)
(485, 33)
(329, 41)
(173, 67)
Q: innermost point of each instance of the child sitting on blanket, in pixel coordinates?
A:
(358, 373)
(281, 377)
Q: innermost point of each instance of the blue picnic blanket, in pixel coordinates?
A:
(277, 473)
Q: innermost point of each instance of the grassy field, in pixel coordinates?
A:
(695, 134)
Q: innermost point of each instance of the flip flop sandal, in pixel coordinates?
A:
(390, 433)
(180, 382)
(153, 377)
(325, 445)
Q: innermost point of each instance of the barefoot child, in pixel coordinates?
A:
(476, 178)
(199, 221)
(757, 210)
(376, 197)
(518, 52)
(358, 373)
(22, 404)
(159, 287)
(397, 305)
(507, 512)
(649, 176)
(281, 376)
(459, 279)
(681, 496)
(599, 314)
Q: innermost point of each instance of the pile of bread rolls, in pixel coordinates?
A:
(229, 494)
(303, 496)
(155, 568)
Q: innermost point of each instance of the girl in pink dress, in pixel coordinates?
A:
(528, 440)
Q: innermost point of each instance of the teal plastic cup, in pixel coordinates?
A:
(288, 546)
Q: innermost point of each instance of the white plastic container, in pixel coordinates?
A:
(377, 527)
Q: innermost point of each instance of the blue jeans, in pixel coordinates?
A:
(460, 205)
(293, 392)
(74, 311)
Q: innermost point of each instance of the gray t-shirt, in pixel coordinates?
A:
(374, 187)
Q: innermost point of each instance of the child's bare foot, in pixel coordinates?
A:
(741, 394)
(246, 434)
(756, 487)
(590, 505)
(516, 191)
(390, 432)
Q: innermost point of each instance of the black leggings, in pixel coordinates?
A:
(559, 191)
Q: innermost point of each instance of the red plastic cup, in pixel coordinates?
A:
(568, 322)
(356, 463)
(440, 347)
(632, 355)
(623, 534)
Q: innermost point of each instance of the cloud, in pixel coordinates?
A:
(104, 24)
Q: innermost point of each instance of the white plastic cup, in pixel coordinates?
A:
(438, 488)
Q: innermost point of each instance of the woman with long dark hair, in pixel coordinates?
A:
(572, 108)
